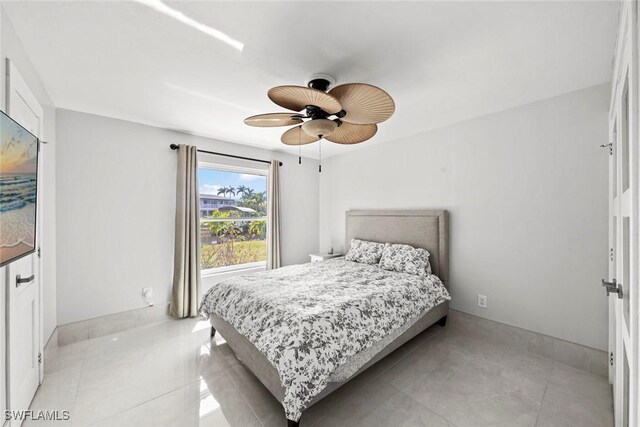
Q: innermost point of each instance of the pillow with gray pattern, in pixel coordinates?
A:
(364, 252)
(405, 259)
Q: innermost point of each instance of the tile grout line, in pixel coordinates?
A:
(80, 377)
(376, 377)
(142, 403)
(541, 403)
(97, 339)
(476, 336)
(75, 395)
(421, 404)
(474, 401)
(244, 399)
(496, 364)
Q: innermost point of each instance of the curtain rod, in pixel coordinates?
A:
(175, 147)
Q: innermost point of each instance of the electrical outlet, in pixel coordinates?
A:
(147, 295)
(482, 301)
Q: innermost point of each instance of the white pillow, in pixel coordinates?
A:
(364, 252)
(405, 259)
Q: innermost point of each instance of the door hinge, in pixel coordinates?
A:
(609, 146)
(39, 357)
(39, 252)
(614, 287)
(611, 359)
(611, 254)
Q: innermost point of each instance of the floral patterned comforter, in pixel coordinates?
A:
(308, 319)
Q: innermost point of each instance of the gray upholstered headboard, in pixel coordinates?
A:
(418, 228)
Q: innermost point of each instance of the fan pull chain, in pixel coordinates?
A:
(320, 155)
(299, 148)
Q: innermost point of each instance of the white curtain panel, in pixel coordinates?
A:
(185, 294)
(273, 216)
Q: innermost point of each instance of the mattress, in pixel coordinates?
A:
(310, 320)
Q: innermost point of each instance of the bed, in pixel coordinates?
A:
(306, 330)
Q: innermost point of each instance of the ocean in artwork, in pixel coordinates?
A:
(18, 189)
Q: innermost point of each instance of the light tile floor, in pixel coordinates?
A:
(170, 374)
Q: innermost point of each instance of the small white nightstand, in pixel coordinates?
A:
(322, 257)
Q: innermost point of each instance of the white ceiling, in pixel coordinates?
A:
(442, 62)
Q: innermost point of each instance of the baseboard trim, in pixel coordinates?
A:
(579, 356)
(110, 324)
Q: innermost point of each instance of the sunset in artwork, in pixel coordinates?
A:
(18, 190)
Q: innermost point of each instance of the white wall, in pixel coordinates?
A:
(527, 193)
(10, 47)
(116, 206)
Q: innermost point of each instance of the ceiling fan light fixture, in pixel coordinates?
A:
(319, 127)
(346, 114)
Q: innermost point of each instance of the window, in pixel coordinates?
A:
(233, 217)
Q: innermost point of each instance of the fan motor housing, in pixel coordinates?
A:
(316, 113)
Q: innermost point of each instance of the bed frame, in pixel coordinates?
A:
(428, 229)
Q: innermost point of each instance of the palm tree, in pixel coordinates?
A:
(243, 190)
(246, 191)
(226, 190)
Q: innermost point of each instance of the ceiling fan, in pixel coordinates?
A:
(344, 114)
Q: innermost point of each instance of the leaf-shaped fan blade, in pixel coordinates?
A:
(348, 133)
(363, 103)
(296, 136)
(297, 98)
(273, 120)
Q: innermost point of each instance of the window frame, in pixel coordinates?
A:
(236, 169)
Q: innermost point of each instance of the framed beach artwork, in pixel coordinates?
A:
(18, 190)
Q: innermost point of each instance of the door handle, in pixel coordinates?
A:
(20, 281)
(613, 287)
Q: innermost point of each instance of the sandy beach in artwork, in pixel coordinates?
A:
(16, 231)
(14, 251)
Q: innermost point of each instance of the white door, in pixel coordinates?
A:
(24, 327)
(623, 223)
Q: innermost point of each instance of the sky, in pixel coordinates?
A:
(18, 148)
(211, 180)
